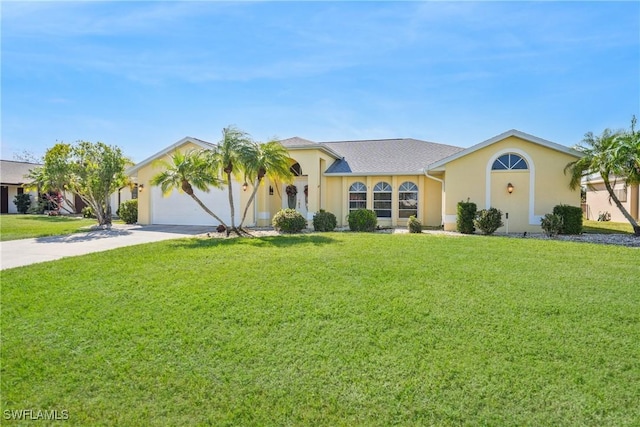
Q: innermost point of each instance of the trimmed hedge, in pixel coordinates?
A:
(488, 220)
(415, 226)
(551, 224)
(289, 221)
(571, 218)
(22, 202)
(128, 211)
(324, 221)
(466, 214)
(362, 220)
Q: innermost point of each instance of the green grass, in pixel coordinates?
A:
(607, 227)
(329, 330)
(13, 227)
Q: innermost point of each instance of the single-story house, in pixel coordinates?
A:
(598, 200)
(13, 175)
(520, 174)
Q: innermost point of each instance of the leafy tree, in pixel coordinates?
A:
(90, 170)
(270, 159)
(611, 155)
(186, 171)
(97, 170)
(55, 175)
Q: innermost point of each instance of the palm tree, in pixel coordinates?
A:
(227, 157)
(628, 150)
(601, 155)
(270, 159)
(186, 171)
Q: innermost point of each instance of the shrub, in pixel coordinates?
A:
(571, 219)
(414, 225)
(362, 220)
(22, 202)
(87, 212)
(488, 220)
(466, 214)
(38, 207)
(324, 221)
(551, 224)
(128, 211)
(289, 221)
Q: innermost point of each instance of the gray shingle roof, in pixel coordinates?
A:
(297, 142)
(12, 172)
(393, 156)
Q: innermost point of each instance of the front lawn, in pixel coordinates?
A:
(328, 329)
(606, 227)
(13, 227)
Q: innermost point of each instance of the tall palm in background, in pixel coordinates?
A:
(602, 155)
(186, 171)
(270, 159)
(628, 151)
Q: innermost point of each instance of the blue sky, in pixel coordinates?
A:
(142, 75)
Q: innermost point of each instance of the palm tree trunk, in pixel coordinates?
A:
(627, 215)
(249, 202)
(231, 208)
(207, 210)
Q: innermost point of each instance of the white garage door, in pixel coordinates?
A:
(181, 209)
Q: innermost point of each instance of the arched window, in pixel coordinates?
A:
(295, 169)
(382, 200)
(407, 200)
(357, 196)
(508, 162)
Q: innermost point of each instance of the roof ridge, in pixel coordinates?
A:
(371, 140)
(19, 161)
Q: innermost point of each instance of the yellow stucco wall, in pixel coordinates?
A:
(536, 191)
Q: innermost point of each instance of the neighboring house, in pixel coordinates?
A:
(13, 175)
(598, 200)
(397, 178)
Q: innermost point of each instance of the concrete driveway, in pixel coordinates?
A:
(16, 253)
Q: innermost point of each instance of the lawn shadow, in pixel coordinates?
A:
(282, 241)
(50, 218)
(84, 236)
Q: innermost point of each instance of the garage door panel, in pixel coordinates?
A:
(180, 209)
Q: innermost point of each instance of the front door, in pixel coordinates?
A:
(4, 202)
(297, 196)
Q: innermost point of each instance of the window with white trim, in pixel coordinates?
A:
(382, 200)
(509, 161)
(621, 194)
(357, 196)
(407, 200)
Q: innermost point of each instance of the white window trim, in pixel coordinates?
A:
(387, 189)
(533, 219)
(416, 191)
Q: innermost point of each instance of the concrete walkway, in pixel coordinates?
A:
(16, 253)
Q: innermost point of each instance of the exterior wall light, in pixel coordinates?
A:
(244, 186)
(270, 190)
(510, 188)
(140, 188)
